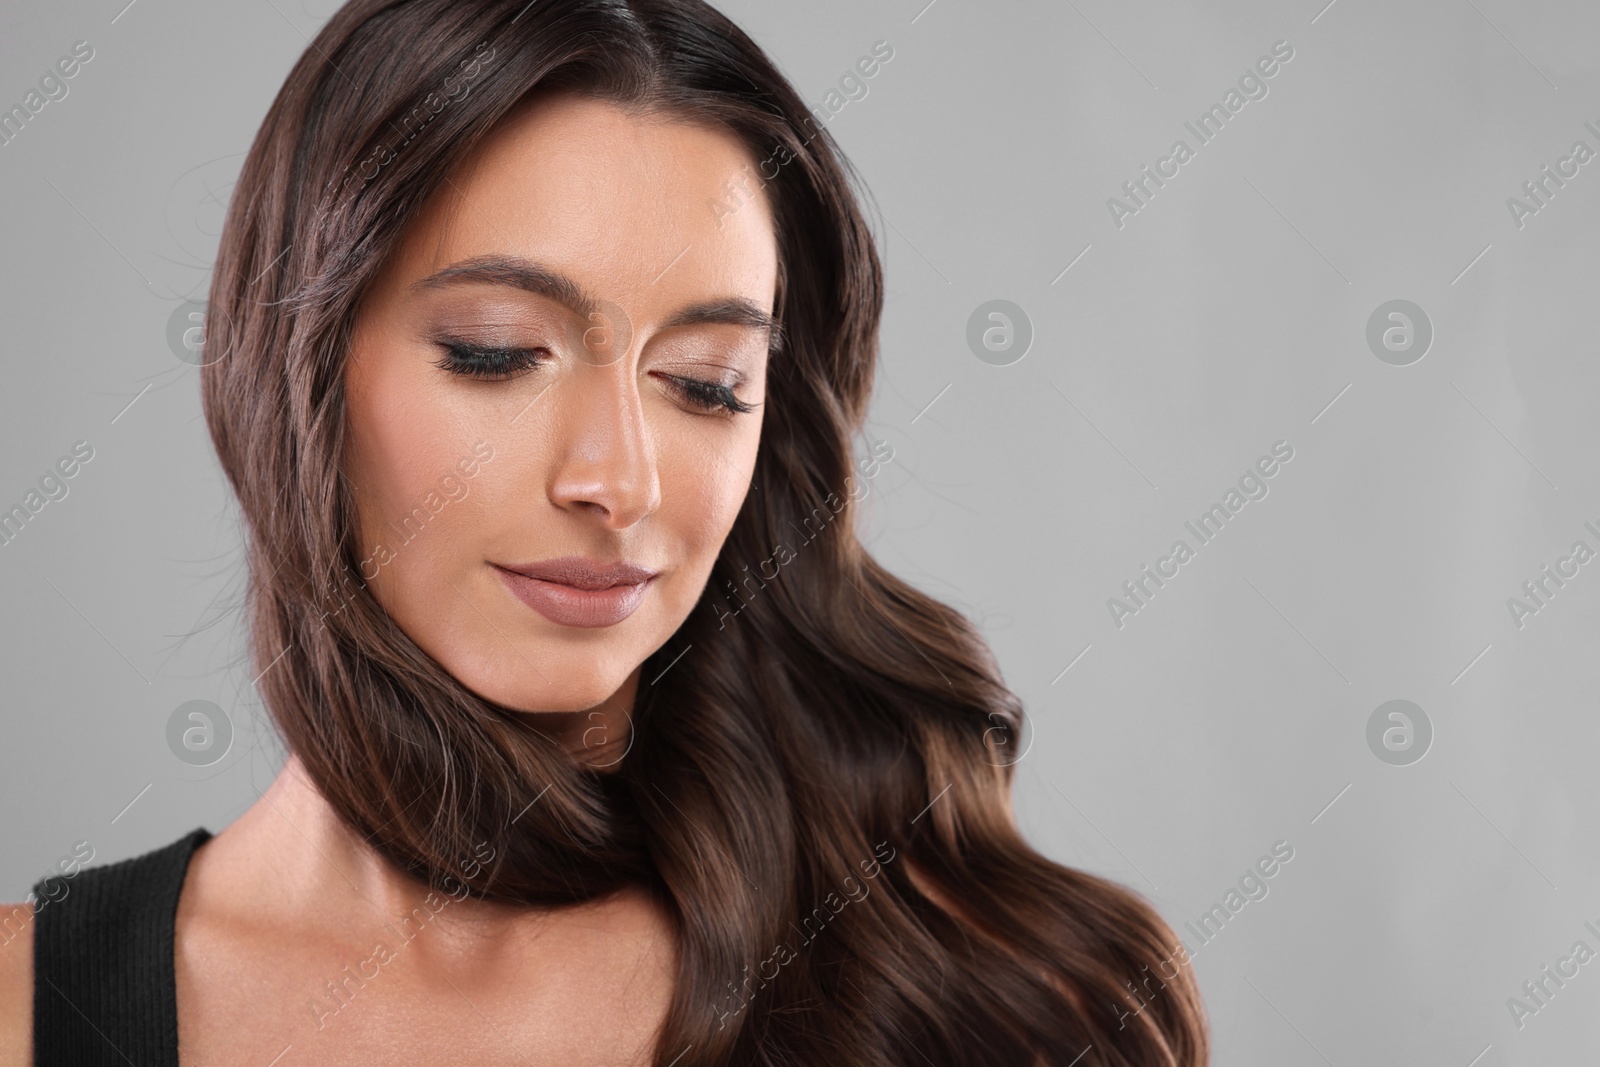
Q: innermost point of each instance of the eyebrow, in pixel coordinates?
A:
(519, 272)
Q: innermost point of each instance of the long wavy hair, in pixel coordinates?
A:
(820, 790)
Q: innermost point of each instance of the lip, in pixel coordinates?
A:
(573, 591)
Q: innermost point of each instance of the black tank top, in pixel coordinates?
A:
(104, 980)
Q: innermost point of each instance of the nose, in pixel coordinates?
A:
(606, 460)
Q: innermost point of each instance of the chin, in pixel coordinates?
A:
(576, 689)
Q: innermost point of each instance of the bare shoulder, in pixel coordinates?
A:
(16, 985)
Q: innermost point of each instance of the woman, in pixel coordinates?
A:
(537, 343)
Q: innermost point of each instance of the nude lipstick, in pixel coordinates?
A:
(574, 591)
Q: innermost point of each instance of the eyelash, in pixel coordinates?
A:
(497, 363)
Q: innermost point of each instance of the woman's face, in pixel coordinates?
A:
(547, 370)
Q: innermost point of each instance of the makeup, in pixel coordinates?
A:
(575, 592)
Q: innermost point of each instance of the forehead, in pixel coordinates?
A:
(630, 205)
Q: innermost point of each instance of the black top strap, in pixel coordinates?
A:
(105, 985)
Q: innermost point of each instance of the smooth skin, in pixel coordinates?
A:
(598, 452)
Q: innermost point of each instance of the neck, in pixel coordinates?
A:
(290, 857)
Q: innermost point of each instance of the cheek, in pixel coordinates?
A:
(406, 443)
(704, 482)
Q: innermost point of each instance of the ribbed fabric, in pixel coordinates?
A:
(105, 984)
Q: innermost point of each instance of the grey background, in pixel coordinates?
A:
(1230, 313)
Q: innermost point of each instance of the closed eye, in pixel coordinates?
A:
(502, 363)
(490, 362)
(708, 396)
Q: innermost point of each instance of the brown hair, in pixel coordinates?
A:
(845, 730)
